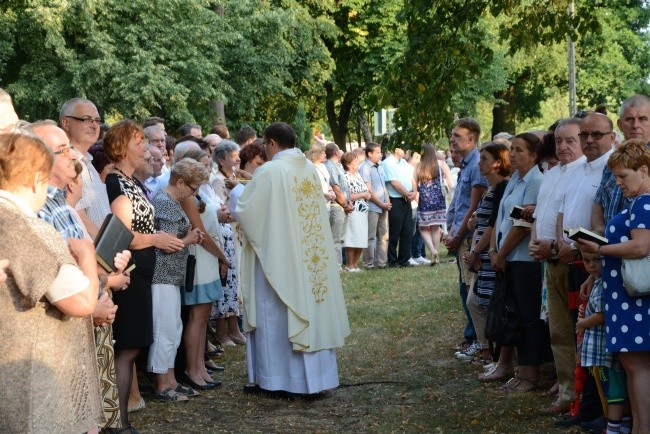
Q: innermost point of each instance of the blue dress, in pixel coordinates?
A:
(432, 208)
(627, 319)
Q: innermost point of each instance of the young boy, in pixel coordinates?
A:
(606, 368)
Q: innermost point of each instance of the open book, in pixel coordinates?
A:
(517, 219)
(585, 234)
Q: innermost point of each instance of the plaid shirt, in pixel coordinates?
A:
(593, 344)
(609, 196)
(56, 213)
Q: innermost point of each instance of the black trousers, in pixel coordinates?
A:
(400, 231)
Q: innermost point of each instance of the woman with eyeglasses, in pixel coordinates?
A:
(169, 274)
(133, 325)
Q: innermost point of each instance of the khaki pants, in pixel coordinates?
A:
(376, 255)
(478, 314)
(561, 327)
(337, 225)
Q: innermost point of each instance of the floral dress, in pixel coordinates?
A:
(432, 208)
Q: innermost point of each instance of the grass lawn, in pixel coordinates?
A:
(397, 374)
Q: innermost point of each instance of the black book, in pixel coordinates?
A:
(585, 234)
(518, 220)
(112, 238)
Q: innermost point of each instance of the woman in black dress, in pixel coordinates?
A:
(132, 329)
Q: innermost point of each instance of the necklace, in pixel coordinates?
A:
(123, 174)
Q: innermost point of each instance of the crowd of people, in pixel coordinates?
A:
(201, 264)
(244, 241)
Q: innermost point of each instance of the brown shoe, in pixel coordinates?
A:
(556, 408)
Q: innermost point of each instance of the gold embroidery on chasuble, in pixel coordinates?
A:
(308, 196)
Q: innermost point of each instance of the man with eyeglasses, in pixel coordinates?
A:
(80, 120)
(634, 123)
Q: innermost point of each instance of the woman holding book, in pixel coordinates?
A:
(523, 275)
(494, 165)
(133, 325)
(628, 234)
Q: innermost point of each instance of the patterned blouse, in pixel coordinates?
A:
(356, 185)
(118, 184)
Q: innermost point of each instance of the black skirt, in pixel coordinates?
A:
(133, 325)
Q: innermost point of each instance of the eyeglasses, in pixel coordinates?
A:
(65, 151)
(148, 160)
(194, 189)
(597, 135)
(86, 120)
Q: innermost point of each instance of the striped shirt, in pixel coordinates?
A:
(56, 213)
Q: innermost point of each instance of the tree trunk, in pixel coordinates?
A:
(338, 123)
(503, 114)
(219, 110)
(365, 127)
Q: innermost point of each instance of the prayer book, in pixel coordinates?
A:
(112, 238)
(517, 219)
(585, 234)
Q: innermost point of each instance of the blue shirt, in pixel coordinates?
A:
(395, 170)
(470, 177)
(56, 213)
(337, 177)
(519, 191)
(374, 174)
(609, 196)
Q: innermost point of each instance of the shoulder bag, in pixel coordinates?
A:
(636, 272)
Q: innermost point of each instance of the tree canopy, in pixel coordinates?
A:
(321, 63)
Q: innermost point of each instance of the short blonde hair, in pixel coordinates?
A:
(22, 157)
(118, 136)
(190, 171)
(315, 152)
(632, 154)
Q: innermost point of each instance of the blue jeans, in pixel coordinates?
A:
(469, 333)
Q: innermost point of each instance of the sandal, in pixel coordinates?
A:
(188, 391)
(493, 375)
(170, 395)
(515, 385)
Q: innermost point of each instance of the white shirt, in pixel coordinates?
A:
(94, 199)
(578, 201)
(550, 197)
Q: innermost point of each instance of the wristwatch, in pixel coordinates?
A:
(553, 248)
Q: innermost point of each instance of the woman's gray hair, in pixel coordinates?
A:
(223, 149)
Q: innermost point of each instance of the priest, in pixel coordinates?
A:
(294, 310)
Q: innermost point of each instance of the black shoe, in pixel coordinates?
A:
(207, 386)
(252, 389)
(569, 421)
(595, 426)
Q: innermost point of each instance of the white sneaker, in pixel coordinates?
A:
(469, 353)
(423, 261)
(413, 262)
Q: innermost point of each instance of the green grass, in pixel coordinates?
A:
(397, 371)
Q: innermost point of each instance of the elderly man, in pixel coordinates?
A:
(543, 246)
(56, 212)
(342, 205)
(154, 121)
(156, 136)
(634, 122)
(293, 300)
(376, 255)
(80, 120)
(157, 165)
(467, 195)
(401, 191)
(180, 150)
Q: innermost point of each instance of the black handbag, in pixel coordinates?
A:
(189, 273)
(502, 322)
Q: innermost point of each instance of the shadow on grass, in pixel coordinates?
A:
(397, 373)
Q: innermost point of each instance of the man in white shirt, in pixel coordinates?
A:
(543, 246)
(80, 120)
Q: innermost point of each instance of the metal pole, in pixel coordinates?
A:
(572, 67)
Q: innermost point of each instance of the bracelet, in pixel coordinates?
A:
(492, 251)
(598, 250)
